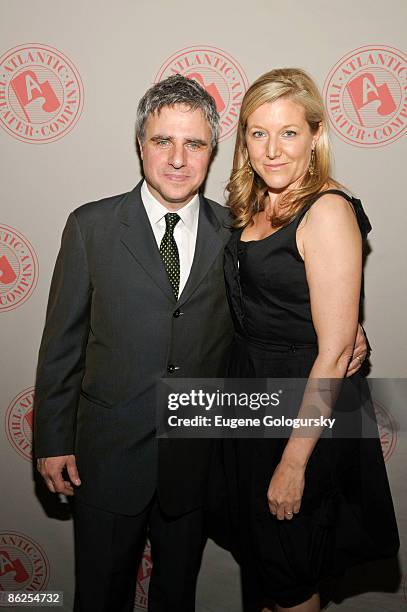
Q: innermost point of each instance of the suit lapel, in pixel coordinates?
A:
(208, 245)
(137, 236)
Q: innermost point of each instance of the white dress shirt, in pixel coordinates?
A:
(184, 233)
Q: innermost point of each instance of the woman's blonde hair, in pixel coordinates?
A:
(247, 190)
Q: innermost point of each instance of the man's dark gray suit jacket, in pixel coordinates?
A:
(113, 329)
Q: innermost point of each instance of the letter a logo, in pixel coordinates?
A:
(16, 567)
(212, 90)
(7, 274)
(363, 90)
(27, 88)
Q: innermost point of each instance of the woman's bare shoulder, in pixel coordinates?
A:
(330, 208)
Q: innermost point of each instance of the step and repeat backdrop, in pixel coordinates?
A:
(71, 76)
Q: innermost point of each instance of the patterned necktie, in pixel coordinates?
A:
(169, 251)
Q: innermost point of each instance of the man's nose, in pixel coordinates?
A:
(177, 156)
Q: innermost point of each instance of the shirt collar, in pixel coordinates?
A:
(156, 211)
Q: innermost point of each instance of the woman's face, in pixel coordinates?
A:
(279, 142)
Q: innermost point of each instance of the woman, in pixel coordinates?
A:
(293, 272)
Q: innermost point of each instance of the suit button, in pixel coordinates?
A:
(177, 313)
(171, 368)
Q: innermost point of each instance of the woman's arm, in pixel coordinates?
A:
(332, 251)
(330, 243)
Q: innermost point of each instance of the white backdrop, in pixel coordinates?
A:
(71, 75)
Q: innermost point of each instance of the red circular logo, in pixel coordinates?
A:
(18, 268)
(19, 423)
(23, 563)
(41, 93)
(143, 579)
(219, 73)
(366, 96)
(387, 430)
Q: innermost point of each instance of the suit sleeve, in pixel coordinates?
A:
(62, 353)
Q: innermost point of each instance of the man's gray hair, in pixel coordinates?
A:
(177, 89)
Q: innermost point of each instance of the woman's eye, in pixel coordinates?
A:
(290, 133)
(257, 134)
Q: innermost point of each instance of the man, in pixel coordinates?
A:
(137, 294)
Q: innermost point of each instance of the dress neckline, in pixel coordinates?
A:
(266, 237)
(300, 213)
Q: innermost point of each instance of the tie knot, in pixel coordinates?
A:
(171, 220)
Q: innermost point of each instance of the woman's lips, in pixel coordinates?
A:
(275, 166)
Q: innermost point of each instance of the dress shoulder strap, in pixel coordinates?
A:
(361, 216)
(334, 191)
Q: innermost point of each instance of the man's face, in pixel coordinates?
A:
(176, 152)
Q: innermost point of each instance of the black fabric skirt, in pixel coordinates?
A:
(346, 495)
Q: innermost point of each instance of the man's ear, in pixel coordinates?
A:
(140, 146)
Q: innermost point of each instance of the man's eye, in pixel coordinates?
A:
(193, 146)
(162, 142)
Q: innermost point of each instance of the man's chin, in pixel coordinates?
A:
(173, 195)
(178, 197)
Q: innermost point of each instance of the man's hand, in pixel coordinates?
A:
(360, 352)
(51, 469)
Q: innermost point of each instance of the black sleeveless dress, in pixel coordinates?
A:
(346, 514)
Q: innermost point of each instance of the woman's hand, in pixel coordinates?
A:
(285, 490)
